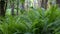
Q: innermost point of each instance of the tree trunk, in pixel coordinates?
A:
(35, 3)
(27, 4)
(12, 8)
(44, 4)
(17, 6)
(22, 8)
(58, 2)
(3, 5)
(39, 3)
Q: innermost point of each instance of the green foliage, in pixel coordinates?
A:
(34, 21)
(22, 1)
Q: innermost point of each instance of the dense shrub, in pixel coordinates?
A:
(34, 21)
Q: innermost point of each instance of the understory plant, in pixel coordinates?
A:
(34, 21)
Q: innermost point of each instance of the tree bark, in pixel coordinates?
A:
(22, 7)
(58, 2)
(3, 5)
(44, 4)
(39, 3)
(12, 8)
(17, 6)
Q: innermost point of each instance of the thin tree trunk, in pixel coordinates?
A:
(35, 3)
(12, 8)
(58, 2)
(3, 6)
(44, 4)
(22, 8)
(17, 6)
(27, 4)
(39, 3)
(46, 1)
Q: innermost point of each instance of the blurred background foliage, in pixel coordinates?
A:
(29, 17)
